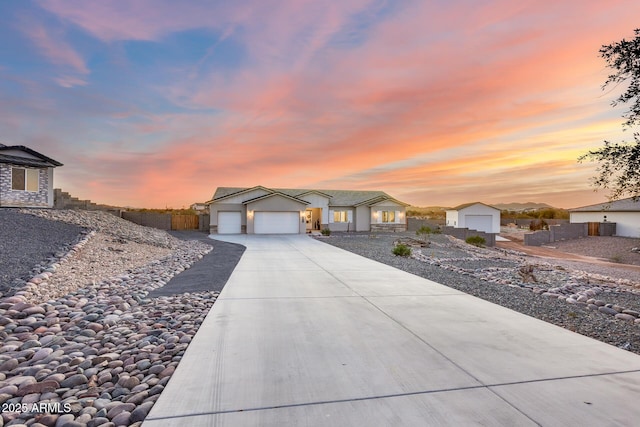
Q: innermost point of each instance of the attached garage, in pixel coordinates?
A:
(276, 222)
(229, 222)
(479, 222)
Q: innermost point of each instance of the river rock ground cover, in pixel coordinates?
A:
(601, 302)
(81, 344)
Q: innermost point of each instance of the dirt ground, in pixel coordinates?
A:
(605, 250)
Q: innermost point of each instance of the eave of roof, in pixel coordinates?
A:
(49, 162)
(23, 161)
(277, 193)
(466, 205)
(235, 191)
(623, 205)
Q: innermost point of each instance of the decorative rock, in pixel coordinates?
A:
(141, 412)
(41, 387)
(623, 316)
(118, 408)
(122, 419)
(74, 380)
(607, 310)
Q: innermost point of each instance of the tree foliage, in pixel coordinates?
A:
(619, 168)
(619, 163)
(624, 58)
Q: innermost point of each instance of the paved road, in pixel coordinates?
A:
(209, 274)
(306, 334)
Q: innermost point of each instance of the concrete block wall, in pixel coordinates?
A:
(204, 221)
(525, 222)
(414, 224)
(149, 219)
(556, 233)
(568, 231)
(537, 238)
(607, 229)
(464, 233)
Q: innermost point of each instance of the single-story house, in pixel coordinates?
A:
(26, 177)
(625, 213)
(474, 216)
(261, 210)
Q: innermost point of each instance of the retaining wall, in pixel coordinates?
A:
(464, 233)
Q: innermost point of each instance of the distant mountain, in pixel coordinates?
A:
(519, 207)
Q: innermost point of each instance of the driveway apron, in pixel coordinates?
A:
(307, 334)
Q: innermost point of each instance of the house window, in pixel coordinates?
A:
(388, 216)
(25, 179)
(340, 216)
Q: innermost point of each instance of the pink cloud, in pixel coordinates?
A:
(307, 112)
(58, 51)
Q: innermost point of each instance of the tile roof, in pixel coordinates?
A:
(623, 205)
(337, 197)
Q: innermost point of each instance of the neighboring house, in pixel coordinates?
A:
(261, 210)
(474, 216)
(26, 177)
(199, 207)
(625, 213)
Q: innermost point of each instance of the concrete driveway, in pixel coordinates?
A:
(306, 334)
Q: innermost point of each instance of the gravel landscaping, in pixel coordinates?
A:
(596, 301)
(81, 341)
(27, 241)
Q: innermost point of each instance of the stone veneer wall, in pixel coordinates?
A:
(19, 198)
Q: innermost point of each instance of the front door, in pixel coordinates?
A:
(309, 219)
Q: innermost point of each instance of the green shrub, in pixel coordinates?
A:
(476, 241)
(326, 232)
(402, 250)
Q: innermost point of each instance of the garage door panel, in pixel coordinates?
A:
(479, 222)
(276, 223)
(229, 222)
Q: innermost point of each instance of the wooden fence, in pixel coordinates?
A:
(594, 228)
(184, 222)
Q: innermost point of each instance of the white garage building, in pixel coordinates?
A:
(475, 216)
(261, 210)
(625, 213)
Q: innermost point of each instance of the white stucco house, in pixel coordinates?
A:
(261, 210)
(474, 216)
(625, 213)
(26, 177)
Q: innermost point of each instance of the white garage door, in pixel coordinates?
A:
(478, 222)
(229, 222)
(276, 223)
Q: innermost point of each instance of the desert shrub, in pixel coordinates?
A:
(402, 250)
(476, 241)
(617, 258)
(538, 225)
(424, 231)
(326, 232)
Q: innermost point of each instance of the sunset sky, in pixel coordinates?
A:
(152, 103)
